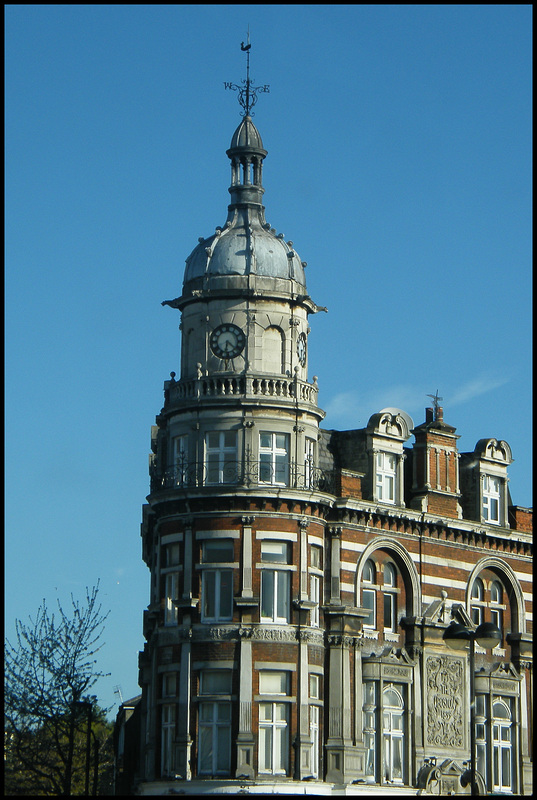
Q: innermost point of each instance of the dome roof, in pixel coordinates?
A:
(246, 136)
(246, 246)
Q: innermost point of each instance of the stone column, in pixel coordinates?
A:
(184, 740)
(245, 738)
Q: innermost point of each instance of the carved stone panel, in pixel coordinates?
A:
(444, 686)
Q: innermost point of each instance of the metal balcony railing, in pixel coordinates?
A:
(246, 474)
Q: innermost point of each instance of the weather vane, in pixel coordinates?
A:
(436, 402)
(247, 92)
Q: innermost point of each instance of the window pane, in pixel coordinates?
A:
(368, 601)
(209, 594)
(265, 468)
(282, 600)
(265, 749)
(265, 712)
(389, 621)
(216, 682)
(272, 682)
(281, 441)
(275, 552)
(206, 748)
(265, 440)
(368, 574)
(218, 550)
(230, 438)
(226, 594)
(314, 687)
(267, 594)
(224, 749)
(506, 766)
(397, 773)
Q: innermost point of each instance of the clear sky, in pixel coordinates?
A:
(399, 141)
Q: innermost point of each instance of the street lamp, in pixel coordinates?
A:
(457, 636)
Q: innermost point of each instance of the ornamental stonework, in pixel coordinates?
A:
(445, 701)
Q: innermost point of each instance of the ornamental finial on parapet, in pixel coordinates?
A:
(247, 92)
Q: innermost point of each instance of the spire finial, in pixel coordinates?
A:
(247, 92)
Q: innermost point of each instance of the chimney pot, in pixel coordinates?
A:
(440, 414)
(429, 415)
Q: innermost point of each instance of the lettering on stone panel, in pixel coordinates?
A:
(504, 686)
(445, 702)
(402, 672)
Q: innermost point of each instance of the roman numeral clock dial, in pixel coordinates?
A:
(227, 341)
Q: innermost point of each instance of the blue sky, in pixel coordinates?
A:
(399, 141)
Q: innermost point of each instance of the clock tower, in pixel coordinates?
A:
(236, 503)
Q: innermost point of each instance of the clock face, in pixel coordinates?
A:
(301, 349)
(227, 341)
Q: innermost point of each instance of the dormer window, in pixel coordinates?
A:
(491, 500)
(385, 477)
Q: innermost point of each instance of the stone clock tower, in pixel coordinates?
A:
(231, 517)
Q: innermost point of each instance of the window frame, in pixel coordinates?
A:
(383, 476)
(491, 499)
(223, 460)
(273, 457)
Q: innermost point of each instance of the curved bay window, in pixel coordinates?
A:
(385, 746)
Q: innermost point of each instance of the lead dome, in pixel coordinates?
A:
(246, 245)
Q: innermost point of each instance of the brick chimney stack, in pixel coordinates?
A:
(435, 466)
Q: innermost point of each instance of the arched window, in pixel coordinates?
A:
(390, 597)
(502, 761)
(369, 594)
(392, 734)
(385, 756)
(478, 597)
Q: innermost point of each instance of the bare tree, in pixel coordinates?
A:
(49, 674)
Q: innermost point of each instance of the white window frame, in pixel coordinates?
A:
(491, 505)
(390, 598)
(169, 714)
(502, 747)
(171, 596)
(477, 602)
(274, 726)
(273, 457)
(315, 597)
(220, 458)
(214, 721)
(370, 729)
(385, 477)
(280, 582)
(314, 736)
(369, 590)
(213, 582)
(393, 737)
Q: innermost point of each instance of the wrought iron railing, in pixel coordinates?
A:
(246, 473)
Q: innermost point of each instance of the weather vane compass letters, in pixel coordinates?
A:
(247, 92)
